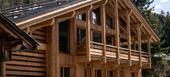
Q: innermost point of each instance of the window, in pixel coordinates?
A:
(81, 35)
(96, 16)
(97, 37)
(98, 73)
(82, 17)
(110, 74)
(64, 37)
(65, 72)
(108, 21)
(108, 40)
(132, 74)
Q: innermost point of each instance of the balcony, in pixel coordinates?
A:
(96, 50)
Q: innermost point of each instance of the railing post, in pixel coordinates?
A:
(88, 34)
(103, 23)
(139, 42)
(149, 50)
(117, 38)
(129, 34)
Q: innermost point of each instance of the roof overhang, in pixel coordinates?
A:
(17, 33)
(58, 12)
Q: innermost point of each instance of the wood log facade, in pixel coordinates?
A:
(91, 38)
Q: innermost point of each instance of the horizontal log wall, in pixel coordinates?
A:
(29, 63)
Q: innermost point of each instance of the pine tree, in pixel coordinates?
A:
(156, 48)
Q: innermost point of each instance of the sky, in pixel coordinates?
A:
(161, 5)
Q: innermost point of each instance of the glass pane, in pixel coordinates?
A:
(66, 72)
(61, 70)
(108, 40)
(97, 37)
(98, 73)
(64, 37)
(96, 16)
(81, 35)
(82, 17)
(132, 75)
(108, 21)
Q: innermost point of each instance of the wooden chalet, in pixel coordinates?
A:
(83, 38)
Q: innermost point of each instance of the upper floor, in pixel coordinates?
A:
(106, 30)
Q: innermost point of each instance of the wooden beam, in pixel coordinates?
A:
(117, 39)
(149, 49)
(88, 33)
(40, 25)
(129, 36)
(103, 23)
(66, 16)
(139, 44)
(124, 12)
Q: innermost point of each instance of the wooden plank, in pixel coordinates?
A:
(39, 37)
(29, 54)
(43, 46)
(25, 73)
(26, 63)
(27, 58)
(10, 67)
(39, 33)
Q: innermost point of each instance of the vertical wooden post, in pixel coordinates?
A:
(103, 23)
(117, 38)
(3, 69)
(134, 45)
(149, 49)
(139, 73)
(55, 50)
(88, 33)
(139, 43)
(129, 35)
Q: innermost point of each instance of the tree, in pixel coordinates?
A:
(156, 48)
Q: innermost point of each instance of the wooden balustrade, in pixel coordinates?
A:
(81, 48)
(96, 50)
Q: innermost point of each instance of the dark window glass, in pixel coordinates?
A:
(108, 21)
(65, 72)
(82, 17)
(108, 40)
(132, 75)
(64, 37)
(81, 35)
(61, 70)
(110, 74)
(97, 37)
(96, 16)
(98, 73)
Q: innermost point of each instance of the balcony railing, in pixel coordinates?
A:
(96, 50)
